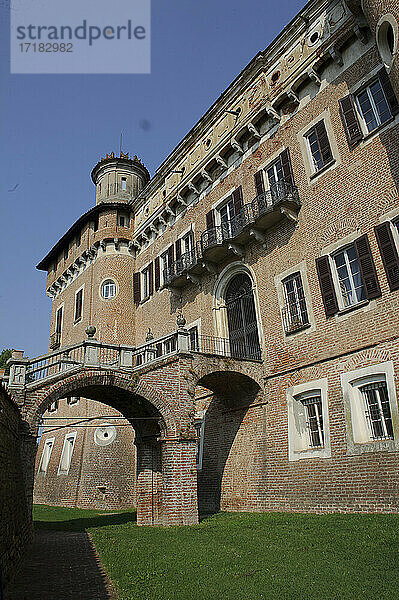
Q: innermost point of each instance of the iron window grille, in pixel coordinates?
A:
(377, 410)
(373, 106)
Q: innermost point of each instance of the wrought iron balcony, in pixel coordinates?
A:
(55, 340)
(263, 212)
(176, 273)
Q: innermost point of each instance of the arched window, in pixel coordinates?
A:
(241, 318)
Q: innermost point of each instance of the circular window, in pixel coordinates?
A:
(105, 434)
(108, 289)
(314, 37)
(387, 39)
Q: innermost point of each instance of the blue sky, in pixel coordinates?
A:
(54, 128)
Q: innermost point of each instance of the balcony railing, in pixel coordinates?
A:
(208, 344)
(183, 264)
(249, 215)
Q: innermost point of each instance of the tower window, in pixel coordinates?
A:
(108, 289)
(123, 184)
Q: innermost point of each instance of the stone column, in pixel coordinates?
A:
(179, 474)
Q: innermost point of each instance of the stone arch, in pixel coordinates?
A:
(232, 430)
(165, 447)
(219, 295)
(111, 379)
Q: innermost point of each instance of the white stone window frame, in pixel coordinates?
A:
(100, 291)
(362, 121)
(330, 250)
(53, 407)
(69, 436)
(145, 279)
(78, 320)
(299, 447)
(279, 284)
(341, 305)
(357, 89)
(358, 433)
(311, 173)
(381, 38)
(43, 468)
(192, 325)
(163, 264)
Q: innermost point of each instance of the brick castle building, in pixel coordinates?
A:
(270, 236)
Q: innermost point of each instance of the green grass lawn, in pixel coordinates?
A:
(241, 556)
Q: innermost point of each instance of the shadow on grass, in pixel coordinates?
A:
(87, 523)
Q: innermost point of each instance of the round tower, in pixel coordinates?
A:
(383, 19)
(119, 178)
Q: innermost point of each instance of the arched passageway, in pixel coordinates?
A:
(233, 441)
(166, 477)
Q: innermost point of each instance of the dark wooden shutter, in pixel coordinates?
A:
(286, 166)
(238, 200)
(157, 277)
(324, 144)
(389, 254)
(136, 288)
(171, 255)
(327, 286)
(178, 249)
(259, 185)
(350, 121)
(210, 219)
(150, 279)
(367, 267)
(388, 91)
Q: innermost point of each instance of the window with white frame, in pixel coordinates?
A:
(108, 289)
(350, 285)
(78, 305)
(66, 456)
(371, 408)
(308, 423)
(373, 106)
(314, 417)
(275, 175)
(46, 454)
(295, 314)
(71, 400)
(226, 213)
(164, 267)
(377, 409)
(187, 242)
(53, 406)
(319, 146)
(123, 220)
(193, 338)
(145, 283)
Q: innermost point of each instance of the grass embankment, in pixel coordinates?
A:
(232, 556)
